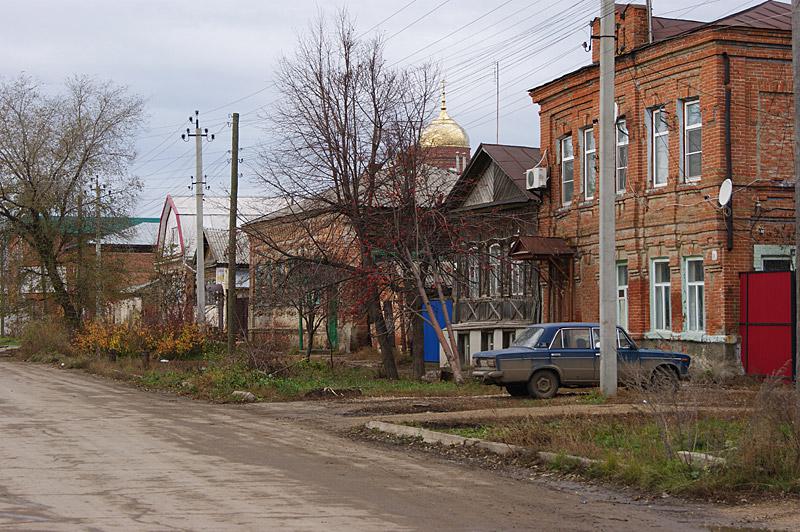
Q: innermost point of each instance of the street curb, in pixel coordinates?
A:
(502, 449)
(431, 436)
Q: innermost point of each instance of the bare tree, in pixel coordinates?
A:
(337, 128)
(308, 287)
(50, 147)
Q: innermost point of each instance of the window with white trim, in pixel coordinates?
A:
(589, 164)
(517, 278)
(622, 294)
(694, 296)
(567, 171)
(494, 270)
(473, 274)
(659, 147)
(692, 140)
(622, 155)
(660, 314)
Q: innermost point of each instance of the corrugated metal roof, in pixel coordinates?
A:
(216, 211)
(218, 246)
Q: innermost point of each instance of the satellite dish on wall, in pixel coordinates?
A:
(725, 191)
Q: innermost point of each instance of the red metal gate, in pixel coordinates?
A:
(767, 323)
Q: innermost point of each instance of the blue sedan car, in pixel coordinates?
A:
(547, 356)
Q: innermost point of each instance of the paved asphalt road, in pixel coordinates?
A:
(81, 453)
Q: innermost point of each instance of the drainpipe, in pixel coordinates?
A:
(726, 61)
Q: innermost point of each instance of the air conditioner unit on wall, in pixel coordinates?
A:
(536, 178)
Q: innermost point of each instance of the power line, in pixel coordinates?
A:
(416, 20)
(470, 23)
(388, 18)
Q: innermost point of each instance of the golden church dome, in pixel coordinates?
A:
(444, 131)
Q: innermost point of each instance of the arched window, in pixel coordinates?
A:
(473, 274)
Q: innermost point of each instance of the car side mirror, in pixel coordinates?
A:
(597, 345)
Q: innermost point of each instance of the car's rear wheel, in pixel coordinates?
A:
(518, 389)
(664, 379)
(543, 384)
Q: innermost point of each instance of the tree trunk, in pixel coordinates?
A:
(48, 260)
(417, 333)
(418, 342)
(455, 363)
(387, 349)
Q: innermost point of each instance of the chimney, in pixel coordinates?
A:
(632, 29)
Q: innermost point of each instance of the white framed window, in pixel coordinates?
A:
(659, 147)
(494, 270)
(567, 171)
(473, 274)
(692, 140)
(622, 155)
(694, 296)
(517, 278)
(660, 313)
(589, 164)
(622, 294)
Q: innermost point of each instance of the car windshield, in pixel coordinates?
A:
(529, 337)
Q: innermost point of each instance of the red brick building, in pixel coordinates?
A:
(703, 102)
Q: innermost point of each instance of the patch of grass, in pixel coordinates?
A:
(631, 450)
(215, 378)
(8, 341)
(594, 397)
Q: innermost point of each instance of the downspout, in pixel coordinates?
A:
(726, 61)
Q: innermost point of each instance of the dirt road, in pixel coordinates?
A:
(81, 453)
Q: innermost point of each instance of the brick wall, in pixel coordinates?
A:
(683, 218)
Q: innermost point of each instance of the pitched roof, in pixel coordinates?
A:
(218, 246)
(511, 160)
(771, 15)
(216, 210)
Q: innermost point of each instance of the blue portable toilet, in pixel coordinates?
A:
(431, 340)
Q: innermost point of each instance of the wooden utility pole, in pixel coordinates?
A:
(230, 305)
(608, 279)
(199, 184)
(796, 71)
(97, 248)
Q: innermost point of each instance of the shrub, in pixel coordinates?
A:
(46, 338)
(125, 340)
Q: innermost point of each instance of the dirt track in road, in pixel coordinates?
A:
(78, 453)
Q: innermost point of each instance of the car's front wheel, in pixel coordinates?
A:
(518, 389)
(665, 379)
(543, 384)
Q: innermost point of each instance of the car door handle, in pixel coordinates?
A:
(597, 354)
(555, 354)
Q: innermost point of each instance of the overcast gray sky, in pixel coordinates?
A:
(183, 55)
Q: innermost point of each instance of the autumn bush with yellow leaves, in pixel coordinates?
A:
(177, 342)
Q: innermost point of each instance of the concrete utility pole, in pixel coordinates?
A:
(230, 305)
(608, 281)
(796, 69)
(199, 183)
